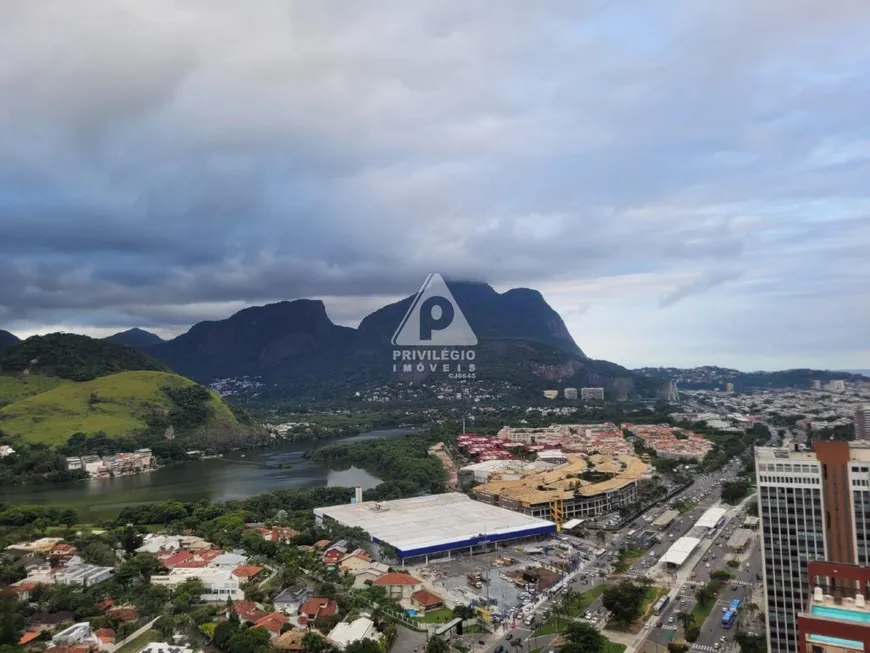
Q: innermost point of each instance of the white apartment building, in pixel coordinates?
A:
(592, 394)
(220, 584)
(812, 506)
(570, 393)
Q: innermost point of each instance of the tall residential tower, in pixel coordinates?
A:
(813, 506)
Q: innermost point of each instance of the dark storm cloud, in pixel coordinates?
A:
(163, 161)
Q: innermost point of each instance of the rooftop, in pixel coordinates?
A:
(711, 517)
(680, 550)
(411, 525)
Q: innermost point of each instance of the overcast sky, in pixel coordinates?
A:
(686, 181)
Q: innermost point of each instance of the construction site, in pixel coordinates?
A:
(585, 486)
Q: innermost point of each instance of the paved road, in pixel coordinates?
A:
(704, 492)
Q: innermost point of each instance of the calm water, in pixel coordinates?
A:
(232, 477)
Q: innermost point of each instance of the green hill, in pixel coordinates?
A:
(128, 403)
(17, 387)
(74, 357)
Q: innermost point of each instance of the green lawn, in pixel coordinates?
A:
(578, 605)
(613, 647)
(700, 613)
(439, 616)
(653, 594)
(139, 643)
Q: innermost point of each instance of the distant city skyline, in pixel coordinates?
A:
(684, 182)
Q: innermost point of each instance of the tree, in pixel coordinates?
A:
(436, 645)
(624, 601)
(583, 638)
(704, 595)
(687, 619)
(314, 643)
(131, 540)
(363, 646)
(751, 643)
(600, 536)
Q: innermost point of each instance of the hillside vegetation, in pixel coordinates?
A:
(74, 357)
(17, 387)
(117, 405)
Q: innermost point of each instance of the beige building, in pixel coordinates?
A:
(398, 585)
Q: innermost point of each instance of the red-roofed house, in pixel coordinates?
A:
(248, 611)
(193, 563)
(27, 637)
(316, 608)
(398, 585)
(272, 622)
(63, 550)
(105, 635)
(425, 600)
(277, 534)
(321, 544)
(176, 559)
(333, 556)
(208, 554)
(246, 572)
(22, 589)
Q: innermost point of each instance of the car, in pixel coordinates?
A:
(734, 588)
(716, 646)
(509, 637)
(670, 620)
(659, 624)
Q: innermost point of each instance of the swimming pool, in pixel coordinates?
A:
(836, 641)
(843, 614)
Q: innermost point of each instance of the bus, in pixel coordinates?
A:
(720, 523)
(735, 605)
(661, 604)
(728, 619)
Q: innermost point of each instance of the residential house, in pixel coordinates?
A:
(335, 552)
(22, 589)
(246, 572)
(355, 561)
(369, 574)
(63, 551)
(124, 614)
(272, 622)
(277, 534)
(105, 635)
(28, 638)
(220, 584)
(228, 561)
(347, 632)
(423, 600)
(42, 545)
(321, 544)
(290, 600)
(247, 611)
(173, 559)
(77, 634)
(316, 608)
(398, 585)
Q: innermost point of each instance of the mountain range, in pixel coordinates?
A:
(293, 345)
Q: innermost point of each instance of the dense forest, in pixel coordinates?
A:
(74, 357)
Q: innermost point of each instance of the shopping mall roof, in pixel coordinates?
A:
(680, 550)
(436, 523)
(710, 518)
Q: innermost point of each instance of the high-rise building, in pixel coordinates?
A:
(835, 617)
(551, 394)
(570, 393)
(814, 506)
(729, 387)
(837, 385)
(587, 394)
(862, 423)
(817, 385)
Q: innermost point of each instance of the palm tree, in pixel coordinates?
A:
(687, 619)
(704, 595)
